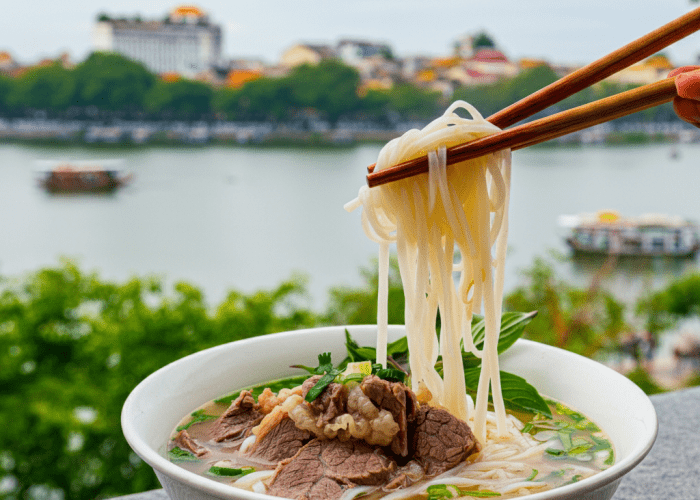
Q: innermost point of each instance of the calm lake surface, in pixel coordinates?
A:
(249, 218)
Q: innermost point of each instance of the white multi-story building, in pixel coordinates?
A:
(185, 42)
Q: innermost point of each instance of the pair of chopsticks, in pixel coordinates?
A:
(571, 120)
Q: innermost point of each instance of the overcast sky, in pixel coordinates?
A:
(561, 31)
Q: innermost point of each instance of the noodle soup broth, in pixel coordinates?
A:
(543, 453)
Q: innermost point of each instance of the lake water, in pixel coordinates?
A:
(249, 218)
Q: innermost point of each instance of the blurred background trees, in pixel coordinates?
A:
(72, 347)
(109, 86)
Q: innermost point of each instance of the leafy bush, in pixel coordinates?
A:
(72, 347)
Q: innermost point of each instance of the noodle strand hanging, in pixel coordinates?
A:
(457, 212)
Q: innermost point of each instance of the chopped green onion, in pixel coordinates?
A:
(480, 494)
(532, 475)
(322, 383)
(439, 492)
(231, 472)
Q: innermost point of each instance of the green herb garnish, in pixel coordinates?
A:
(178, 454)
(325, 367)
(197, 416)
(231, 472)
(532, 475)
(444, 491)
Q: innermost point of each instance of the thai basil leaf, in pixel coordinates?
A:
(391, 375)
(356, 352)
(397, 350)
(518, 395)
(512, 326)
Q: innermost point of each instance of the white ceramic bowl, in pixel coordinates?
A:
(158, 403)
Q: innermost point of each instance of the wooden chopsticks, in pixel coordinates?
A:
(540, 130)
(571, 120)
(598, 70)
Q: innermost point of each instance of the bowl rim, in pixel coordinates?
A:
(161, 464)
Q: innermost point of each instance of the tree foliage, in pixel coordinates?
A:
(44, 88)
(183, 99)
(111, 82)
(489, 99)
(661, 310)
(483, 40)
(330, 87)
(580, 320)
(72, 347)
(108, 85)
(358, 305)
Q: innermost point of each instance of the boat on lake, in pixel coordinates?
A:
(87, 178)
(650, 235)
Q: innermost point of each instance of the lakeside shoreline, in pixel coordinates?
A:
(314, 133)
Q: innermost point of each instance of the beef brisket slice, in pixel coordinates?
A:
(283, 441)
(185, 442)
(398, 400)
(440, 441)
(241, 416)
(332, 401)
(323, 470)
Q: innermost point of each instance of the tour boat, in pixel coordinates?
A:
(74, 178)
(649, 235)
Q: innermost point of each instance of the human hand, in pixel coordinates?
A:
(687, 104)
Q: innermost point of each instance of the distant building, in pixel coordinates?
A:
(7, 64)
(492, 62)
(186, 42)
(353, 52)
(303, 53)
(650, 70)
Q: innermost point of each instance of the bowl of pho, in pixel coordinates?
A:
(412, 412)
(598, 427)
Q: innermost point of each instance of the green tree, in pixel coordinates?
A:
(6, 90)
(111, 82)
(489, 99)
(483, 40)
(662, 309)
(72, 347)
(358, 305)
(414, 103)
(182, 99)
(48, 88)
(329, 87)
(261, 99)
(374, 104)
(580, 320)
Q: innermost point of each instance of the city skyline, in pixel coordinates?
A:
(547, 29)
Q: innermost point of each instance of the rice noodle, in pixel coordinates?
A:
(431, 217)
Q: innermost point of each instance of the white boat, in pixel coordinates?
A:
(650, 235)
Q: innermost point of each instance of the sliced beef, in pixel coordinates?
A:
(238, 420)
(282, 441)
(398, 400)
(440, 441)
(333, 401)
(185, 442)
(323, 470)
